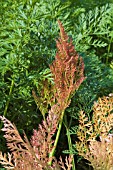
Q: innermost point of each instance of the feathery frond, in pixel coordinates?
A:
(30, 156)
(22, 154)
(98, 152)
(67, 69)
(41, 140)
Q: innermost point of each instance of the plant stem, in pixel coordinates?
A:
(69, 142)
(7, 103)
(109, 47)
(10, 93)
(57, 138)
(70, 148)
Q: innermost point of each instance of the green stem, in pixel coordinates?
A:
(57, 138)
(108, 51)
(69, 142)
(9, 97)
(7, 103)
(70, 148)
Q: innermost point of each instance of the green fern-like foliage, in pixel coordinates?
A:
(94, 32)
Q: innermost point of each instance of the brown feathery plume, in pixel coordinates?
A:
(41, 140)
(99, 153)
(68, 74)
(22, 154)
(34, 156)
(103, 116)
(67, 70)
(68, 163)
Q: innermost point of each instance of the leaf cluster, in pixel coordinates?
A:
(93, 32)
(97, 150)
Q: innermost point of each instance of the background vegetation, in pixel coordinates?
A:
(28, 29)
